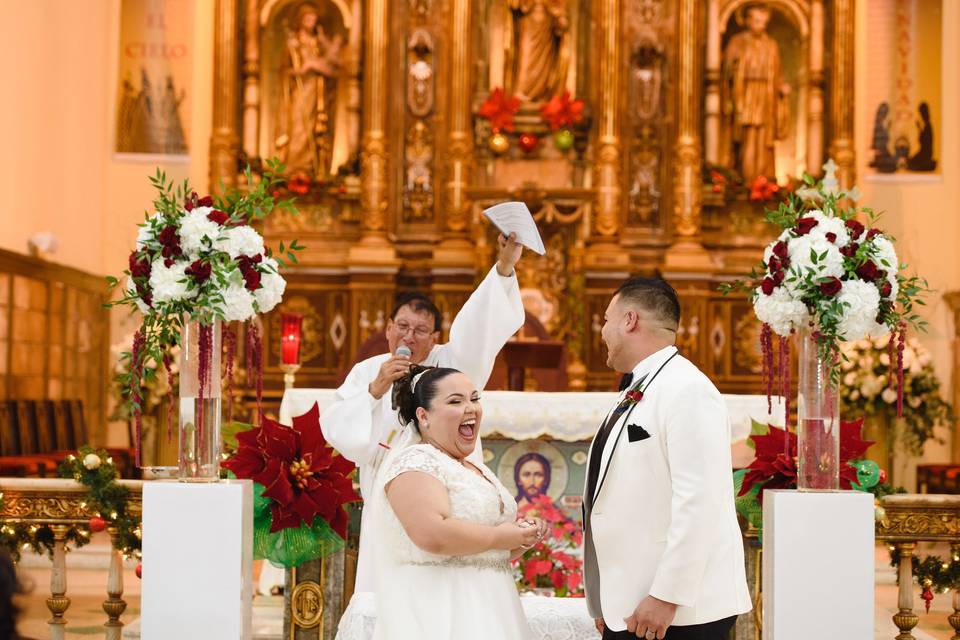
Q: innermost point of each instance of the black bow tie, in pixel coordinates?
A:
(625, 381)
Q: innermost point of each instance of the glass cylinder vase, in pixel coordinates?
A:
(199, 441)
(818, 421)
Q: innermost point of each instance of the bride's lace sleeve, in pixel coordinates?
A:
(416, 458)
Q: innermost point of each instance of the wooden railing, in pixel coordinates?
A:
(61, 505)
(913, 518)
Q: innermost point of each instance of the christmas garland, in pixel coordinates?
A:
(933, 574)
(95, 470)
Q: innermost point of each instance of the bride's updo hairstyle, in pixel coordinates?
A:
(418, 389)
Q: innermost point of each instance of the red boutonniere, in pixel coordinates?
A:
(634, 396)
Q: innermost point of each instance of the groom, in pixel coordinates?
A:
(663, 556)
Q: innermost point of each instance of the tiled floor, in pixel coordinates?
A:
(87, 590)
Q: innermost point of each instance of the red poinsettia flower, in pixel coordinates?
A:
(763, 189)
(775, 466)
(299, 184)
(561, 111)
(298, 470)
(499, 109)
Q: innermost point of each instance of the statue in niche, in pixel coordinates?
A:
(754, 97)
(882, 161)
(537, 62)
(305, 123)
(645, 76)
(923, 160)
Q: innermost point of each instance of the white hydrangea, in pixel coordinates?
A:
(169, 284)
(145, 231)
(240, 241)
(781, 311)
(132, 290)
(768, 252)
(886, 259)
(194, 228)
(237, 303)
(861, 301)
(799, 252)
(272, 286)
(828, 224)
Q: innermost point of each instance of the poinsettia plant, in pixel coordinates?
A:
(499, 108)
(562, 111)
(301, 488)
(549, 563)
(200, 259)
(830, 273)
(775, 466)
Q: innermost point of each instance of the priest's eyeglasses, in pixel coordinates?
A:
(420, 332)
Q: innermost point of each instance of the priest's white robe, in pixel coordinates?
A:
(359, 426)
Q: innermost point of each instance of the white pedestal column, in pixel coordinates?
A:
(197, 560)
(818, 565)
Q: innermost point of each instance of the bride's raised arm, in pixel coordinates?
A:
(422, 506)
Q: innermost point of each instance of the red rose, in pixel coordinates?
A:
(778, 277)
(855, 228)
(139, 268)
(868, 271)
(774, 264)
(199, 271)
(886, 289)
(220, 217)
(830, 286)
(872, 233)
(780, 250)
(168, 263)
(205, 201)
(831, 236)
(252, 279)
(804, 225)
(635, 395)
(850, 250)
(168, 236)
(767, 286)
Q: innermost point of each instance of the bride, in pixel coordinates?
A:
(446, 528)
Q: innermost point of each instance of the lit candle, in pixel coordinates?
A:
(291, 324)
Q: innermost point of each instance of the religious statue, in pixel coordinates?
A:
(537, 62)
(305, 123)
(754, 97)
(882, 161)
(923, 160)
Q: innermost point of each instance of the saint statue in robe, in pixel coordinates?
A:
(754, 98)
(305, 122)
(537, 60)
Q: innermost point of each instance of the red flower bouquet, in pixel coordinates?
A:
(548, 564)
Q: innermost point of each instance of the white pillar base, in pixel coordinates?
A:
(197, 560)
(818, 565)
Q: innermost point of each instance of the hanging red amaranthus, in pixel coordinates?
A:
(230, 344)
(562, 111)
(901, 339)
(766, 347)
(255, 364)
(168, 365)
(204, 364)
(499, 109)
(137, 355)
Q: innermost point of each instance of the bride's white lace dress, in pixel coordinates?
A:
(425, 596)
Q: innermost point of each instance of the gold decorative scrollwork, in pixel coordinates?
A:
(64, 502)
(306, 604)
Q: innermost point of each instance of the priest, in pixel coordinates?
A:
(361, 422)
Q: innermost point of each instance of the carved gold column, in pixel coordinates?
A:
(815, 101)
(905, 618)
(711, 116)
(374, 246)
(842, 148)
(224, 141)
(952, 298)
(456, 247)
(954, 618)
(251, 80)
(687, 253)
(606, 167)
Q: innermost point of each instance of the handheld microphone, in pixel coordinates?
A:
(403, 350)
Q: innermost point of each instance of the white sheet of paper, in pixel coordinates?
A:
(515, 217)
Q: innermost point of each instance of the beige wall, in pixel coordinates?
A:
(923, 214)
(58, 173)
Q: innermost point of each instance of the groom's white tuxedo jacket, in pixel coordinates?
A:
(662, 521)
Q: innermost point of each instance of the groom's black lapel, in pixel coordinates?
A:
(624, 418)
